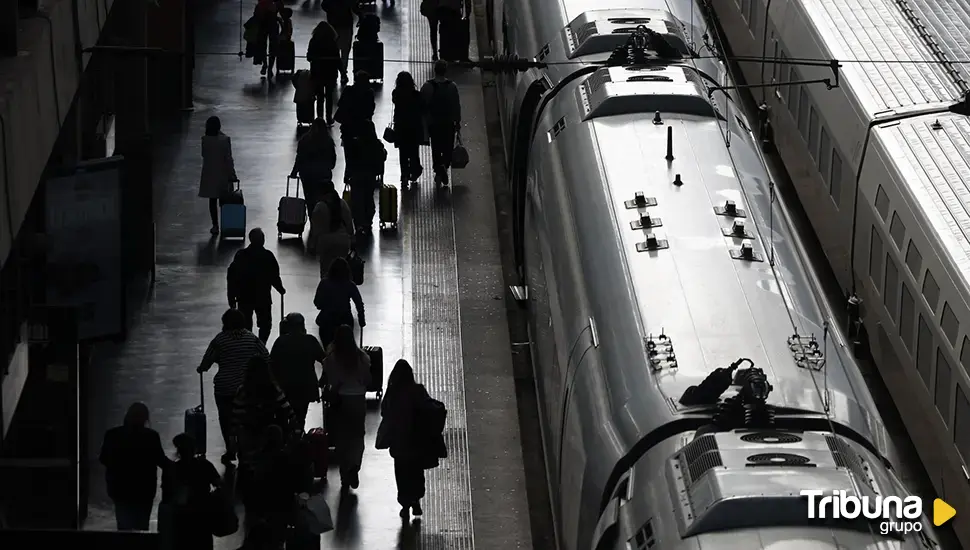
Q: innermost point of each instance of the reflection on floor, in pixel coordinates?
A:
(412, 293)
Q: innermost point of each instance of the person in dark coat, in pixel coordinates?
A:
(271, 493)
(402, 436)
(408, 127)
(331, 230)
(186, 484)
(323, 53)
(293, 361)
(316, 157)
(266, 16)
(340, 15)
(346, 374)
(131, 455)
(333, 297)
(356, 106)
(365, 155)
(443, 111)
(253, 273)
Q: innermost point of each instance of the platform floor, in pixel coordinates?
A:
(433, 293)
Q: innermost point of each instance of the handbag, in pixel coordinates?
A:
(383, 435)
(223, 520)
(356, 267)
(389, 134)
(313, 514)
(459, 157)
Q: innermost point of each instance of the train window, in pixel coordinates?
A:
(965, 356)
(924, 353)
(931, 291)
(783, 72)
(914, 260)
(942, 393)
(824, 155)
(950, 325)
(803, 113)
(813, 134)
(775, 67)
(792, 97)
(897, 230)
(907, 316)
(882, 203)
(875, 259)
(961, 425)
(835, 189)
(891, 296)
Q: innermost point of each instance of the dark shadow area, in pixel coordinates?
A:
(407, 537)
(346, 523)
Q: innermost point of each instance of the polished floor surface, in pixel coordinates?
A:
(432, 292)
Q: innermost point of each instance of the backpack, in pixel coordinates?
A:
(440, 108)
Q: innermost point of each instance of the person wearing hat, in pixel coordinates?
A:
(293, 361)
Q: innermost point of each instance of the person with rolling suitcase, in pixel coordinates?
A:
(347, 371)
(365, 156)
(293, 361)
(454, 29)
(340, 15)
(218, 168)
(132, 454)
(368, 48)
(231, 349)
(333, 297)
(316, 158)
(323, 53)
(184, 518)
(286, 56)
(331, 230)
(407, 129)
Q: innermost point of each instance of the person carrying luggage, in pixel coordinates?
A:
(293, 360)
(258, 404)
(400, 434)
(267, 22)
(364, 155)
(408, 127)
(218, 168)
(316, 157)
(231, 349)
(270, 496)
(331, 229)
(132, 454)
(323, 53)
(184, 511)
(340, 15)
(333, 297)
(252, 275)
(443, 115)
(346, 375)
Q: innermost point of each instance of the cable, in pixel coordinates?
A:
(6, 182)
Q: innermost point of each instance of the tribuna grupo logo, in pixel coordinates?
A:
(893, 514)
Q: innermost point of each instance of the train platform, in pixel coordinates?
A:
(433, 291)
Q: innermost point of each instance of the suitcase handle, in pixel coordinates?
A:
(288, 178)
(361, 337)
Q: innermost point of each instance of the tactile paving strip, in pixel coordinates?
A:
(430, 237)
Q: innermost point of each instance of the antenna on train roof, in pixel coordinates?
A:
(643, 47)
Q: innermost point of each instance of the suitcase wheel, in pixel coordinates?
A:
(380, 394)
(279, 236)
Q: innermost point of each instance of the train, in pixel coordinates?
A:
(692, 380)
(880, 164)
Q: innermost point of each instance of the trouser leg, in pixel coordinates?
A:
(214, 212)
(264, 320)
(330, 100)
(247, 310)
(409, 476)
(224, 408)
(433, 25)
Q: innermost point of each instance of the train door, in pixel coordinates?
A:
(519, 163)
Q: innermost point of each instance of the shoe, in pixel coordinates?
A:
(214, 230)
(434, 57)
(355, 482)
(405, 513)
(330, 121)
(344, 80)
(417, 509)
(228, 458)
(262, 70)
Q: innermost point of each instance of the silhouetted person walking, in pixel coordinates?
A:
(254, 272)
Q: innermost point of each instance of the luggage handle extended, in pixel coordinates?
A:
(288, 178)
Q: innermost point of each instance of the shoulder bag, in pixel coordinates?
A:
(459, 157)
(389, 134)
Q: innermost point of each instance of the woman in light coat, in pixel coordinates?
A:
(218, 168)
(331, 229)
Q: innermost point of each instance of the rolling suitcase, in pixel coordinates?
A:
(292, 212)
(319, 449)
(305, 112)
(369, 56)
(195, 420)
(376, 355)
(232, 220)
(388, 207)
(346, 194)
(368, 7)
(356, 264)
(286, 57)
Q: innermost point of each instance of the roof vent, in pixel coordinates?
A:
(590, 33)
(783, 460)
(737, 230)
(730, 209)
(699, 456)
(771, 438)
(746, 254)
(612, 91)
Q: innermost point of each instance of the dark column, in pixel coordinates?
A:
(9, 20)
(171, 73)
(133, 139)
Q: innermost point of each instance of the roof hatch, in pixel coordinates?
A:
(625, 90)
(753, 478)
(600, 31)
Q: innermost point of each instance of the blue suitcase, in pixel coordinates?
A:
(233, 221)
(195, 420)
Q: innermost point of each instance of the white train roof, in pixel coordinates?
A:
(877, 30)
(949, 22)
(933, 161)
